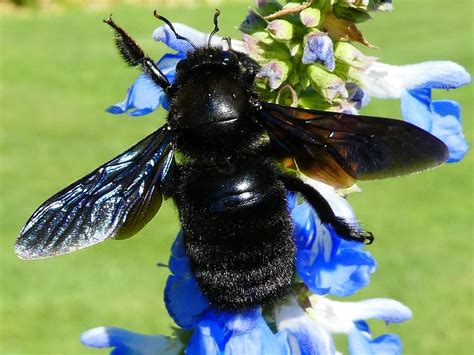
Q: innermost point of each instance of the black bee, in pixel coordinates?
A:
(230, 184)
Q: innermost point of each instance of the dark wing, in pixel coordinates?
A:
(114, 201)
(338, 148)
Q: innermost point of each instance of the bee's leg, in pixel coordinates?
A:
(134, 55)
(324, 210)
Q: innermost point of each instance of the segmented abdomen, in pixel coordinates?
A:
(238, 234)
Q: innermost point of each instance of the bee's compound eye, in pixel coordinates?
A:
(229, 57)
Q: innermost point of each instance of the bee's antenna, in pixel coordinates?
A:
(216, 27)
(170, 25)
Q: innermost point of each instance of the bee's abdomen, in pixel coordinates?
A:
(238, 236)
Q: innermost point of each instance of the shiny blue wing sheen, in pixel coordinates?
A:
(114, 201)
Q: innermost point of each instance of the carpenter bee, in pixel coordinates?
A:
(230, 184)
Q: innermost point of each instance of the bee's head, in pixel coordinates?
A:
(212, 98)
(212, 86)
(206, 55)
(214, 57)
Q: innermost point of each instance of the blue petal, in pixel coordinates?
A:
(349, 271)
(167, 65)
(357, 96)
(440, 118)
(165, 35)
(387, 344)
(388, 310)
(304, 220)
(291, 200)
(126, 342)
(306, 337)
(256, 340)
(415, 106)
(207, 339)
(282, 338)
(275, 72)
(319, 48)
(179, 263)
(235, 333)
(200, 39)
(359, 344)
(363, 326)
(438, 75)
(144, 96)
(183, 298)
(447, 126)
(326, 263)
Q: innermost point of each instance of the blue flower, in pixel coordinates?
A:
(326, 263)
(310, 331)
(357, 96)
(319, 49)
(235, 333)
(304, 335)
(348, 318)
(144, 96)
(183, 299)
(125, 342)
(299, 331)
(275, 72)
(442, 118)
(361, 342)
(413, 84)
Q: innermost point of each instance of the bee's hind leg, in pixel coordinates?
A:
(323, 209)
(134, 56)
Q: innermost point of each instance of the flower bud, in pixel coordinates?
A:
(310, 17)
(252, 45)
(267, 7)
(347, 107)
(349, 73)
(381, 5)
(252, 23)
(263, 48)
(346, 53)
(275, 73)
(319, 49)
(313, 100)
(351, 13)
(355, 3)
(329, 85)
(281, 30)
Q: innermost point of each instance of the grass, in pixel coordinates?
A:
(60, 70)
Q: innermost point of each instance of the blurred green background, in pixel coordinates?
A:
(60, 70)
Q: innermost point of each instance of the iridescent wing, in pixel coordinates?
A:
(338, 148)
(114, 201)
